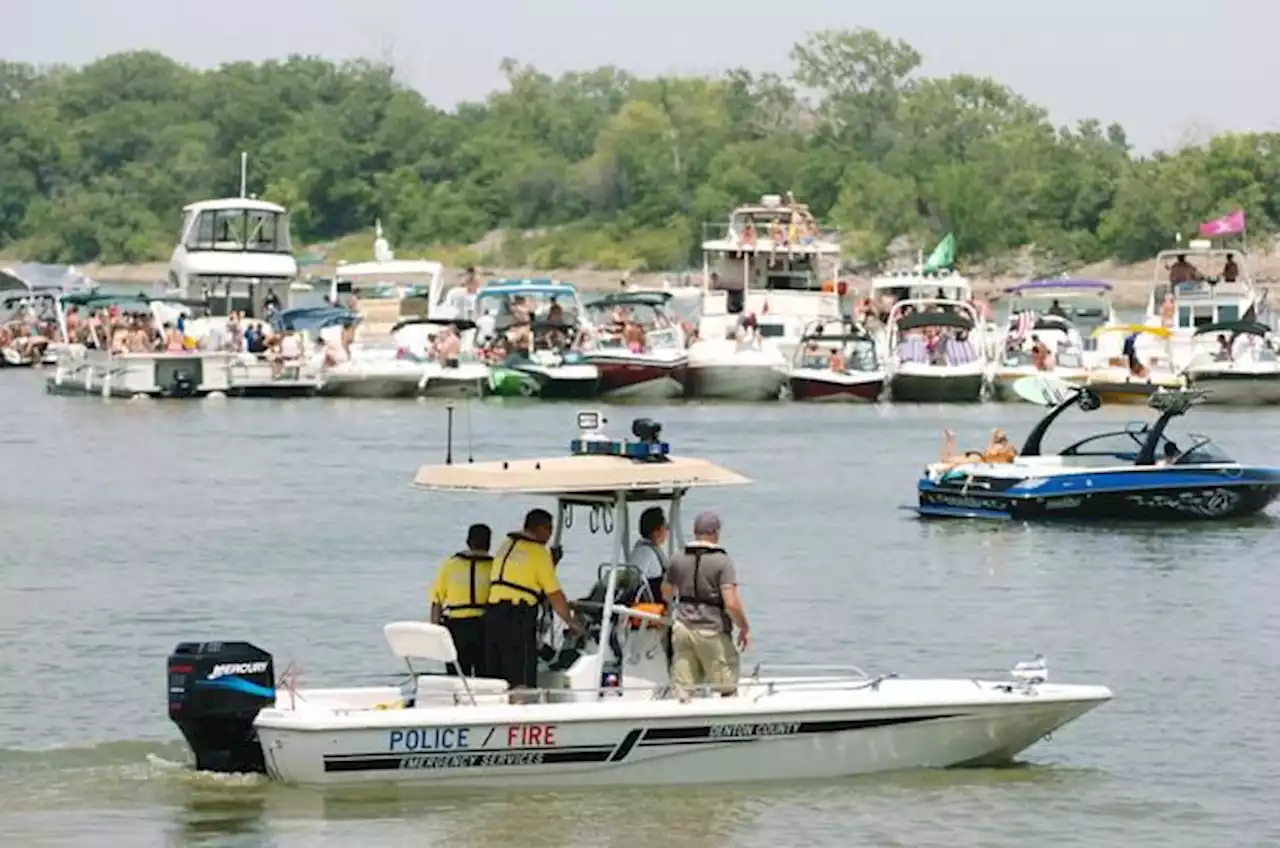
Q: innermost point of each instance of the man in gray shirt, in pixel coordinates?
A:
(702, 584)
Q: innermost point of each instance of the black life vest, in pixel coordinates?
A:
(698, 552)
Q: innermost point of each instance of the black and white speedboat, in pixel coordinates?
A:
(1134, 473)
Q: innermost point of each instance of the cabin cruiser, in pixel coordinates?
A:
(1236, 364)
(836, 361)
(1214, 286)
(540, 323)
(603, 713)
(938, 352)
(1132, 378)
(652, 363)
(1049, 330)
(1134, 473)
(235, 254)
(419, 341)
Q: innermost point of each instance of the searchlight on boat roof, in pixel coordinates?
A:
(592, 440)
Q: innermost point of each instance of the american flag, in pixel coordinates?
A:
(1026, 323)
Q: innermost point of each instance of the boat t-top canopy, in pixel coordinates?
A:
(1252, 328)
(100, 300)
(390, 268)
(1064, 286)
(459, 324)
(569, 476)
(314, 318)
(37, 278)
(636, 298)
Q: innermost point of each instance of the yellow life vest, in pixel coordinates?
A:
(462, 585)
(523, 572)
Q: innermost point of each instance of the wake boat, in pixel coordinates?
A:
(1137, 473)
(655, 370)
(1060, 315)
(541, 321)
(836, 362)
(603, 714)
(1242, 367)
(938, 352)
(1116, 380)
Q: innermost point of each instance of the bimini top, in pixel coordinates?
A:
(313, 318)
(38, 277)
(1060, 285)
(629, 298)
(554, 288)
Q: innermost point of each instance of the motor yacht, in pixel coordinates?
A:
(653, 370)
(1059, 315)
(1136, 473)
(541, 322)
(1209, 297)
(938, 352)
(603, 713)
(1236, 364)
(836, 361)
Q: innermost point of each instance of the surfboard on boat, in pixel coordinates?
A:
(1042, 389)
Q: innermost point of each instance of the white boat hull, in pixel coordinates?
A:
(372, 382)
(621, 742)
(727, 371)
(1237, 387)
(1002, 379)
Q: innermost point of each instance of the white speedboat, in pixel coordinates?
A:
(603, 714)
(415, 340)
(1060, 315)
(939, 352)
(748, 369)
(1240, 368)
(836, 362)
(654, 371)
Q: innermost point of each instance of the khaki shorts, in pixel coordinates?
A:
(702, 658)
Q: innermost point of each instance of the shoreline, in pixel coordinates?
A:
(1131, 283)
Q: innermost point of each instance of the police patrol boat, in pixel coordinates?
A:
(1134, 473)
(603, 714)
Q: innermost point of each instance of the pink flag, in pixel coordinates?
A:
(1227, 225)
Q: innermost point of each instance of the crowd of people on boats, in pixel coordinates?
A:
(492, 602)
(27, 332)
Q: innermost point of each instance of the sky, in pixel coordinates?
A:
(1170, 71)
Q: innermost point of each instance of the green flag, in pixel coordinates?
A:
(943, 256)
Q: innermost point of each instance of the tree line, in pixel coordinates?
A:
(597, 167)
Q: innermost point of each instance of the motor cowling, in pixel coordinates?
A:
(216, 690)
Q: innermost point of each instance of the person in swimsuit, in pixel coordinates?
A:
(999, 450)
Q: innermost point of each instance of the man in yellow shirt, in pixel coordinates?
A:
(523, 576)
(459, 598)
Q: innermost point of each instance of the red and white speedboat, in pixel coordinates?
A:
(836, 361)
(655, 370)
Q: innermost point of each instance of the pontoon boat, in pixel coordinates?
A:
(604, 715)
(1134, 473)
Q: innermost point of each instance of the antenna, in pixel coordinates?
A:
(470, 456)
(244, 171)
(448, 451)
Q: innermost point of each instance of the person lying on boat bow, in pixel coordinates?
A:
(999, 450)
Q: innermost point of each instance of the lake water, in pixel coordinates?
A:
(128, 527)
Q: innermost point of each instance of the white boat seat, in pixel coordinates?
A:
(421, 640)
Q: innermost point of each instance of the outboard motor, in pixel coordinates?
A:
(215, 692)
(183, 385)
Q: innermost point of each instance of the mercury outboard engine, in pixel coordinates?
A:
(215, 692)
(183, 385)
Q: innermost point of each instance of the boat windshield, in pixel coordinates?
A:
(858, 354)
(1125, 445)
(1085, 310)
(660, 325)
(537, 304)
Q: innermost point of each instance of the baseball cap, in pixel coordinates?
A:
(706, 524)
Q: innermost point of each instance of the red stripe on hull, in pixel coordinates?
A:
(619, 374)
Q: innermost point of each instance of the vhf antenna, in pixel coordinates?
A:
(448, 450)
